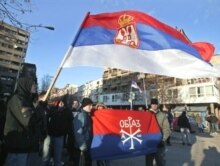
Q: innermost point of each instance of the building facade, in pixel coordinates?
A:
(114, 90)
(13, 48)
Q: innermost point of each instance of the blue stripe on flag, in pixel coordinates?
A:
(111, 146)
(150, 39)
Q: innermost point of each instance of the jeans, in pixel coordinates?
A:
(185, 132)
(17, 159)
(200, 128)
(159, 157)
(52, 147)
(87, 158)
(216, 127)
(103, 162)
(57, 143)
(33, 159)
(212, 128)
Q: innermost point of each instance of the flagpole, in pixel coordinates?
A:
(131, 97)
(65, 58)
(145, 93)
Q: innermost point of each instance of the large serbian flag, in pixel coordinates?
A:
(122, 134)
(136, 41)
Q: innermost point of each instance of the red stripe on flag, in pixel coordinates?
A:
(112, 121)
(110, 21)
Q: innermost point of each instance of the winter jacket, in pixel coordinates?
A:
(183, 122)
(212, 119)
(164, 124)
(60, 122)
(20, 125)
(41, 110)
(83, 130)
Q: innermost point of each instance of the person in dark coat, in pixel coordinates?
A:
(3, 152)
(100, 106)
(70, 137)
(83, 132)
(60, 124)
(21, 123)
(212, 119)
(183, 123)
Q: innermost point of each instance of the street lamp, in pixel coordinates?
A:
(142, 76)
(42, 26)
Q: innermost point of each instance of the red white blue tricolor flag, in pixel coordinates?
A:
(135, 85)
(136, 41)
(122, 134)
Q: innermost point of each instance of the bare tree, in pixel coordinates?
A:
(11, 10)
(45, 82)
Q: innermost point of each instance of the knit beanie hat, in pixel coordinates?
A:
(86, 101)
(154, 101)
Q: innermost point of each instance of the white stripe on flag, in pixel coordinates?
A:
(171, 62)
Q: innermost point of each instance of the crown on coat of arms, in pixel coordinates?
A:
(125, 20)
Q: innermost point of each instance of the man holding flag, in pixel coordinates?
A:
(162, 120)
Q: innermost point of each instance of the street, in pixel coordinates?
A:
(205, 151)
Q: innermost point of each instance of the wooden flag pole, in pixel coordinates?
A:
(64, 59)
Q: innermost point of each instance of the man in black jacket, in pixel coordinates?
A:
(183, 123)
(20, 125)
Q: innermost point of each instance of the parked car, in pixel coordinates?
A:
(192, 122)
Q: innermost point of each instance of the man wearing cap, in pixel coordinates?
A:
(83, 131)
(162, 120)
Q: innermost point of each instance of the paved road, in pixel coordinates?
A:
(205, 151)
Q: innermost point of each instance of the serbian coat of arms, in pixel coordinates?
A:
(126, 34)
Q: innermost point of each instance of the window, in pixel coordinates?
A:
(216, 91)
(209, 91)
(200, 91)
(192, 92)
(175, 93)
(105, 98)
(114, 98)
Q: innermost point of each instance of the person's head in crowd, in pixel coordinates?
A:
(87, 104)
(164, 108)
(140, 109)
(100, 106)
(154, 104)
(63, 101)
(183, 113)
(75, 105)
(26, 88)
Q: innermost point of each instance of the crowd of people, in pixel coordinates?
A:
(37, 131)
(34, 132)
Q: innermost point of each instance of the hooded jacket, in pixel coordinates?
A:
(83, 130)
(19, 128)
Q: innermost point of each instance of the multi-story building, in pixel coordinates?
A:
(28, 70)
(114, 90)
(13, 47)
(92, 89)
(199, 94)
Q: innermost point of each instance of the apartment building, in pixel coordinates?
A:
(196, 95)
(13, 47)
(114, 90)
(92, 89)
